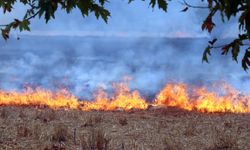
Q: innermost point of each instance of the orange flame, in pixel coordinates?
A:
(39, 97)
(172, 95)
(201, 99)
(122, 99)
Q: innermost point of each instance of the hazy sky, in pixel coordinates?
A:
(135, 19)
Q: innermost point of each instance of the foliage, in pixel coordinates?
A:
(227, 9)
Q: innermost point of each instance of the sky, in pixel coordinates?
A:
(135, 19)
(150, 46)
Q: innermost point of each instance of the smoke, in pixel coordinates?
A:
(133, 44)
(82, 64)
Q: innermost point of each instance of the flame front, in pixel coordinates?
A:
(123, 99)
(39, 97)
(172, 95)
(201, 99)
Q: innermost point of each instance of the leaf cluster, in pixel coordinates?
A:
(229, 9)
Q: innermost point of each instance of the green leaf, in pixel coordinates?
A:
(100, 11)
(162, 4)
(208, 24)
(245, 60)
(16, 23)
(152, 3)
(102, 2)
(235, 45)
(105, 14)
(205, 53)
(84, 6)
(6, 32)
(24, 25)
(48, 8)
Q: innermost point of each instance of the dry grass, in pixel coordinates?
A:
(60, 134)
(123, 121)
(25, 128)
(4, 113)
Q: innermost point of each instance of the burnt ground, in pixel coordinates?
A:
(24, 128)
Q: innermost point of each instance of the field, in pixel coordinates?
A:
(24, 128)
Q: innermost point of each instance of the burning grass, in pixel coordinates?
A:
(189, 98)
(180, 117)
(161, 128)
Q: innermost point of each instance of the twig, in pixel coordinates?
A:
(220, 46)
(33, 16)
(192, 6)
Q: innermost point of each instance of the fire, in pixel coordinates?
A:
(39, 97)
(203, 100)
(179, 95)
(174, 95)
(123, 99)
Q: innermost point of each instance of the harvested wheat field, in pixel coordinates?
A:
(24, 128)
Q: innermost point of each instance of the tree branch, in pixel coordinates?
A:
(32, 7)
(33, 16)
(221, 46)
(192, 6)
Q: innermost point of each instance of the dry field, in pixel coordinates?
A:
(23, 128)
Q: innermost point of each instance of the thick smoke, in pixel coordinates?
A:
(82, 64)
(132, 44)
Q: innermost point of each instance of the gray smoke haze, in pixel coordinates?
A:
(83, 64)
(81, 54)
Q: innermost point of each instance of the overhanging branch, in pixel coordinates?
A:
(185, 3)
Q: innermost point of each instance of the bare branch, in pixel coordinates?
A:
(185, 3)
(33, 16)
(221, 46)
